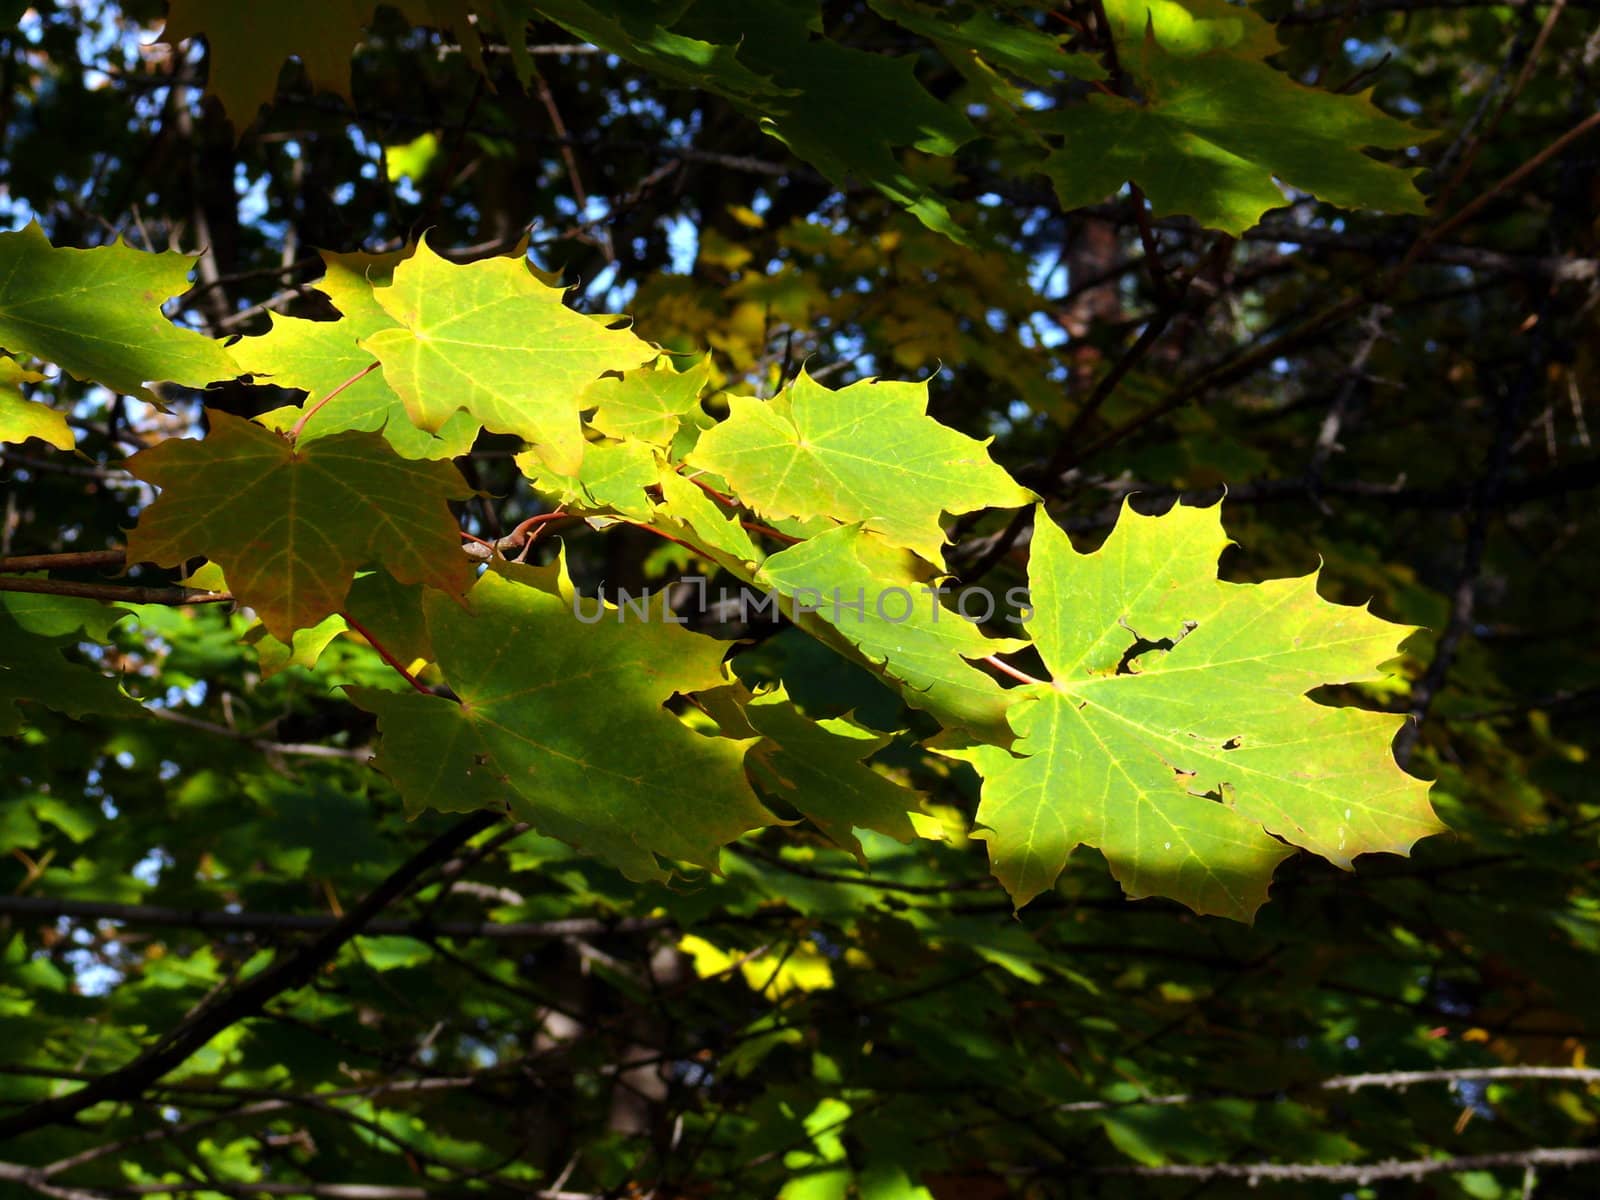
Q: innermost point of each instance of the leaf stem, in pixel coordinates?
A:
(294, 432)
(385, 654)
(1006, 668)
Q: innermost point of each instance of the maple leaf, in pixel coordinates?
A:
(633, 32)
(1214, 126)
(691, 513)
(565, 722)
(1176, 733)
(873, 600)
(21, 418)
(844, 110)
(322, 357)
(868, 452)
(289, 526)
(97, 314)
(819, 768)
(490, 338)
(970, 33)
(648, 404)
(612, 477)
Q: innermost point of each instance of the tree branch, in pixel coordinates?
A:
(50, 908)
(1364, 1173)
(247, 999)
(113, 593)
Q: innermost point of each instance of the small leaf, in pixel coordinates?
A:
(612, 477)
(289, 526)
(649, 403)
(685, 505)
(818, 768)
(21, 418)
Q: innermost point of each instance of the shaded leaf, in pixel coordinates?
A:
(872, 599)
(1214, 127)
(819, 768)
(564, 723)
(288, 526)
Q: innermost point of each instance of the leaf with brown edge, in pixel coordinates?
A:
(289, 526)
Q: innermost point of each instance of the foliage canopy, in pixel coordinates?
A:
(619, 599)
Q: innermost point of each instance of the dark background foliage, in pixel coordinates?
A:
(1412, 408)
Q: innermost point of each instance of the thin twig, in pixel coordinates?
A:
(62, 562)
(114, 593)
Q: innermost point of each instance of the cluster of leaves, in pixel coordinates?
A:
(1185, 765)
(732, 908)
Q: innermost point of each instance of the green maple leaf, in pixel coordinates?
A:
(21, 418)
(845, 110)
(969, 32)
(690, 512)
(290, 526)
(819, 768)
(322, 357)
(631, 29)
(899, 627)
(648, 404)
(97, 314)
(490, 338)
(1176, 733)
(1215, 126)
(868, 452)
(564, 723)
(612, 477)
(34, 630)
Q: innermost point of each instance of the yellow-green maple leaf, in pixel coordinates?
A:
(97, 314)
(490, 338)
(867, 453)
(322, 357)
(1176, 733)
(21, 418)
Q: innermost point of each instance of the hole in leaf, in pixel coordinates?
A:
(1142, 644)
(1232, 743)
